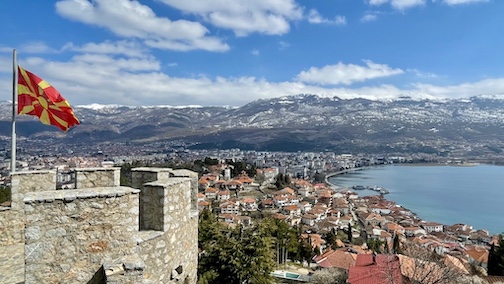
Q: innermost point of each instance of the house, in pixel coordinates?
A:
(229, 218)
(279, 216)
(315, 240)
(223, 195)
(375, 219)
(201, 196)
(234, 184)
(292, 210)
(477, 255)
(380, 209)
(244, 179)
(267, 203)
(379, 269)
(244, 220)
(202, 205)
(414, 231)
(341, 205)
(207, 180)
(270, 173)
(211, 193)
(432, 227)
(345, 220)
(304, 188)
(480, 237)
(305, 206)
(340, 258)
(229, 207)
(248, 204)
(381, 235)
(308, 219)
(279, 201)
(292, 200)
(324, 196)
(392, 228)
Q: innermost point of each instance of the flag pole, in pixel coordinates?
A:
(14, 111)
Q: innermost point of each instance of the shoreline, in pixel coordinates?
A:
(340, 188)
(469, 164)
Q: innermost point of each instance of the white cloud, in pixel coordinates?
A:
(346, 73)
(131, 19)
(128, 48)
(377, 2)
(421, 74)
(106, 79)
(369, 17)
(255, 52)
(244, 17)
(483, 87)
(36, 47)
(283, 45)
(314, 17)
(406, 4)
(399, 4)
(459, 2)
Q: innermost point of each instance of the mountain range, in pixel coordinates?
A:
(294, 123)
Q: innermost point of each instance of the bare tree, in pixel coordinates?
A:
(423, 266)
(330, 275)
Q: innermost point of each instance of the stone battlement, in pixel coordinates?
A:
(102, 232)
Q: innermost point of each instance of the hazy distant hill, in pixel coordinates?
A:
(302, 122)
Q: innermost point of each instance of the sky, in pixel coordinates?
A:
(232, 52)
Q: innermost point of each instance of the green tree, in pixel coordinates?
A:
(282, 181)
(211, 162)
(234, 255)
(375, 245)
(330, 239)
(349, 233)
(496, 258)
(396, 245)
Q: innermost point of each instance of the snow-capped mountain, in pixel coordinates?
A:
(296, 122)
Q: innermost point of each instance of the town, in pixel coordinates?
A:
(241, 188)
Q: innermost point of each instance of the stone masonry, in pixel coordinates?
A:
(101, 232)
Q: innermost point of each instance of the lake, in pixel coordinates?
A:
(473, 195)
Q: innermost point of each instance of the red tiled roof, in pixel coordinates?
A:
(380, 269)
(336, 258)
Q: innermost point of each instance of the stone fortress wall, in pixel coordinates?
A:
(101, 232)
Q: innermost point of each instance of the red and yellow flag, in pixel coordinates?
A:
(37, 97)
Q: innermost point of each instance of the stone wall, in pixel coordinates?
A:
(33, 181)
(101, 232)
(12, 218)
(140, 176)
(70, 233)
(172, 257)
(11, 227)
(97, 177)
(152, 203)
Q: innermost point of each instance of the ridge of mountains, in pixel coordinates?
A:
(292, 123)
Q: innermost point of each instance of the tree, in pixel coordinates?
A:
(330, 239)
(420, 265)
(349, 233)
(233, 255)
(375, 245)
(496, 258)
(330, 275)
(396, 245)
(282, 181)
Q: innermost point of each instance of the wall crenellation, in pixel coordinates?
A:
(102, 232)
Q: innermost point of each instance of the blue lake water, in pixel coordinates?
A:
(473, 195)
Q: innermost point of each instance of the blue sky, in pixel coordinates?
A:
(224, 52)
